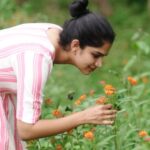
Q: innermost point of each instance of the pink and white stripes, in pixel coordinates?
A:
(26, 59)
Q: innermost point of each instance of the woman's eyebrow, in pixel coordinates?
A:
(100, 54)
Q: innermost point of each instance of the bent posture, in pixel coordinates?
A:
(27, 54)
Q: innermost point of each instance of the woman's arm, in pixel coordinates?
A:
(102, 114)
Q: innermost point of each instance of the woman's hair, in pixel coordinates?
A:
(89, 28)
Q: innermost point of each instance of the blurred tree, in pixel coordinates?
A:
(20, 2)
(105, 7)
(7, 8)
(138, 5)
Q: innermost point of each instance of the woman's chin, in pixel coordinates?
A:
(86, 72)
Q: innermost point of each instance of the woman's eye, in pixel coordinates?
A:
(96, 56)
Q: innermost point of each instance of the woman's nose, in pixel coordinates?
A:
(98, 63)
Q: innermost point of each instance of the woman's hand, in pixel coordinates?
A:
(101, 114)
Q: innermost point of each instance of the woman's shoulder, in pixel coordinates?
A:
(38, 26)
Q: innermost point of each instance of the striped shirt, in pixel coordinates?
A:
(26, 60)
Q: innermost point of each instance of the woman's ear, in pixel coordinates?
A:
(75, 45)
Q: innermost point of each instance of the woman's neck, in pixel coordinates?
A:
(61, 56)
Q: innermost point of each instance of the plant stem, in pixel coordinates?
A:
(116, 137)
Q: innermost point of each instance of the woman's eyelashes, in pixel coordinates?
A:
(97, 55)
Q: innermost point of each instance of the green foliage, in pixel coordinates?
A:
(7, 8)
(34, 6)
(63, 3)
(132, 101)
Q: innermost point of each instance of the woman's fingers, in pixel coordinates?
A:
(101, 114)
(109, 112)
(108, 117)
(107, 122)
(108, 106)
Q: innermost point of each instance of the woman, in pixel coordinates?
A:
(27, 55)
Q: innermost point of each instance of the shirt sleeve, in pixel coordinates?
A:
(32, 70)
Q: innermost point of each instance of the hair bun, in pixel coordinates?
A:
(78, 8)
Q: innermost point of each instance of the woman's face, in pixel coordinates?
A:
(90, 58)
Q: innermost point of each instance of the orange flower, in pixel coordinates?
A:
(109, 89)
(77, 102)
(101, 100)
(89, 135)
(91, 93)
(48, 101)
(59, 147)
(82, 97)
(142, 133)
(57, 113)
(132, 80)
